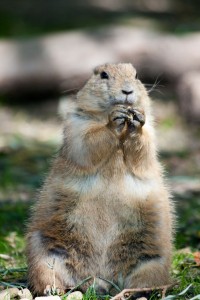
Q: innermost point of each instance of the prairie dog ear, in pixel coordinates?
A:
(97, 70)
(100, 68)
(136, 73)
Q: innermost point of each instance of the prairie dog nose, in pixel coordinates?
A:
(127, 92)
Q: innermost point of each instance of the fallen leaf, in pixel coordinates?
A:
(197, 258)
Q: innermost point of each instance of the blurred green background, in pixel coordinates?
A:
(32, 93)
(29, 18)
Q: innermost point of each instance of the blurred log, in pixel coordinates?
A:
(68, 58)
(189, 94)
(64, 61)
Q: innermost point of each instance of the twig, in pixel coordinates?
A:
(164, 292)
(122, 294)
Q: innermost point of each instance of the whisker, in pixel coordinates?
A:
(161, 93)
(151, 84)
(154, 85)
(69, 90)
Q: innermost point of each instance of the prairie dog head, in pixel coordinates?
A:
(113, 84)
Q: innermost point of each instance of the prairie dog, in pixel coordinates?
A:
(104, 210)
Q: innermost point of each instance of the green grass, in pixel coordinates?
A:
(188, 224)
(185, 271)
(12, 242)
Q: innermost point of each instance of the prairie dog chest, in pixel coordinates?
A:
(122, 187)
(107, 203)
(107, 207)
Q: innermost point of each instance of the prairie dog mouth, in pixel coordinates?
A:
(122, 103)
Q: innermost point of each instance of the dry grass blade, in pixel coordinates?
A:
(77, 286)
(12, 285)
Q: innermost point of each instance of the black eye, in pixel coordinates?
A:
(136, 76)
(104, 75)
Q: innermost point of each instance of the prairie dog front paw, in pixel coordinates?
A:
(137, 119)
(118, 119)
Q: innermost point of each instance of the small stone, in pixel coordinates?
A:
(9, 293)
(75, 296)
(5, 256)
(48, 298)
(4, 295)
(25, 293)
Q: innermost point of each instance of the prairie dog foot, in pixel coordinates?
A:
(51, 290)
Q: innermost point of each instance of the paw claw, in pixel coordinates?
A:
(51, 290)
(118, 118)
(138, 118)
(121, 116)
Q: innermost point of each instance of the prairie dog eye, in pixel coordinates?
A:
(104, 75)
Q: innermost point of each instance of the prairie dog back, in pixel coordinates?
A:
(104, 210)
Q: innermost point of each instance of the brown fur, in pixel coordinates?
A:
(104, 210)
